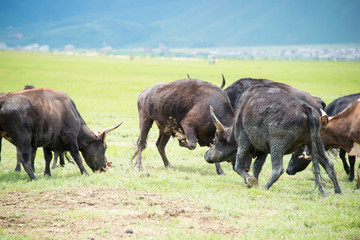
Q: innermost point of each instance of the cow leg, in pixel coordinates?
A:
(342, 155)
(54, 165)
(33, 155)
(258, 164)
(190, 135)
(74, 151)
(62, 160)
(145, 125)
(48, 157)
(160, 144)
(277, 168)
(0, 147)
(24, 157)
(358, 177)
(192, 141)
(352, 160)
(219, 170)
(18, 166)
(240, 164)
(329, 169)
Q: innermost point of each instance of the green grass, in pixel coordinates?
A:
(105, 91)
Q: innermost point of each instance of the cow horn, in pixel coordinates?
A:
(188, 76)
(220, 128)
(109, 129)
(223, 82)
(103, 134)
(305, 156)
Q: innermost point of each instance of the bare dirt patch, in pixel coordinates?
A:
(103, 213)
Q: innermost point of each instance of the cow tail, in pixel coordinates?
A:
(316, 145)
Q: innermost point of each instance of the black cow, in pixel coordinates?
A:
(56, 155)
(181, 109)
(301, 159)
(269, 120)
(236, 90)
(48, 118)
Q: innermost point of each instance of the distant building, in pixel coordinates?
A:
(69, 48)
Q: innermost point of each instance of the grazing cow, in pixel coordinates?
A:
(181, 109)
(269, 120)
(300, 160)
(48, 118)
(236, 90)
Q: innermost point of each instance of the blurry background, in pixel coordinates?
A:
(157, 27)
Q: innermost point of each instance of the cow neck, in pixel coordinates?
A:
(335, 130)
(85, 136)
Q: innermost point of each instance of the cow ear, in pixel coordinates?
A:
(101, 136)
(324, 119)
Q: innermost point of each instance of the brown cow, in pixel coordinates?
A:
(181, 109)
(343, 131)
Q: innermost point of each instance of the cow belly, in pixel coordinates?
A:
(355, 151)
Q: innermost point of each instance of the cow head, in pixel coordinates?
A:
(299, 160)
(94, 153)
(224, 147)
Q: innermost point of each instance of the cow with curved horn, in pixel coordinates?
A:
(269, 120)
(48, 118)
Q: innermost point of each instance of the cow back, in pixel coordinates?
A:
(43, 113)
(339, 104)
(236, 90)
(186, 98)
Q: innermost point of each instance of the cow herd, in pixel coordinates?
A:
(249, 119)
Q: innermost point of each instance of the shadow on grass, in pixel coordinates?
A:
(193, 170)
(13, 177)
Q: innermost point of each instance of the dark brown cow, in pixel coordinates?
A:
(236, 90)
(343, 131)
(181, 109)
(48, 118)
(56, 155)
(269, 120)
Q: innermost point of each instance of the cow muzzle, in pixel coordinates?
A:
(208, 155)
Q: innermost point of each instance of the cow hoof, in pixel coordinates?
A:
(170, 166)
(138, 168)
(252, 181)
(47, 175)
(54, 166)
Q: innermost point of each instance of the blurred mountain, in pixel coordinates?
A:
(182, 23)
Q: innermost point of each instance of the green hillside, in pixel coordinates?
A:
(95, 24)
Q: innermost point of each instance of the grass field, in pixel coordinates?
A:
(188, 202)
